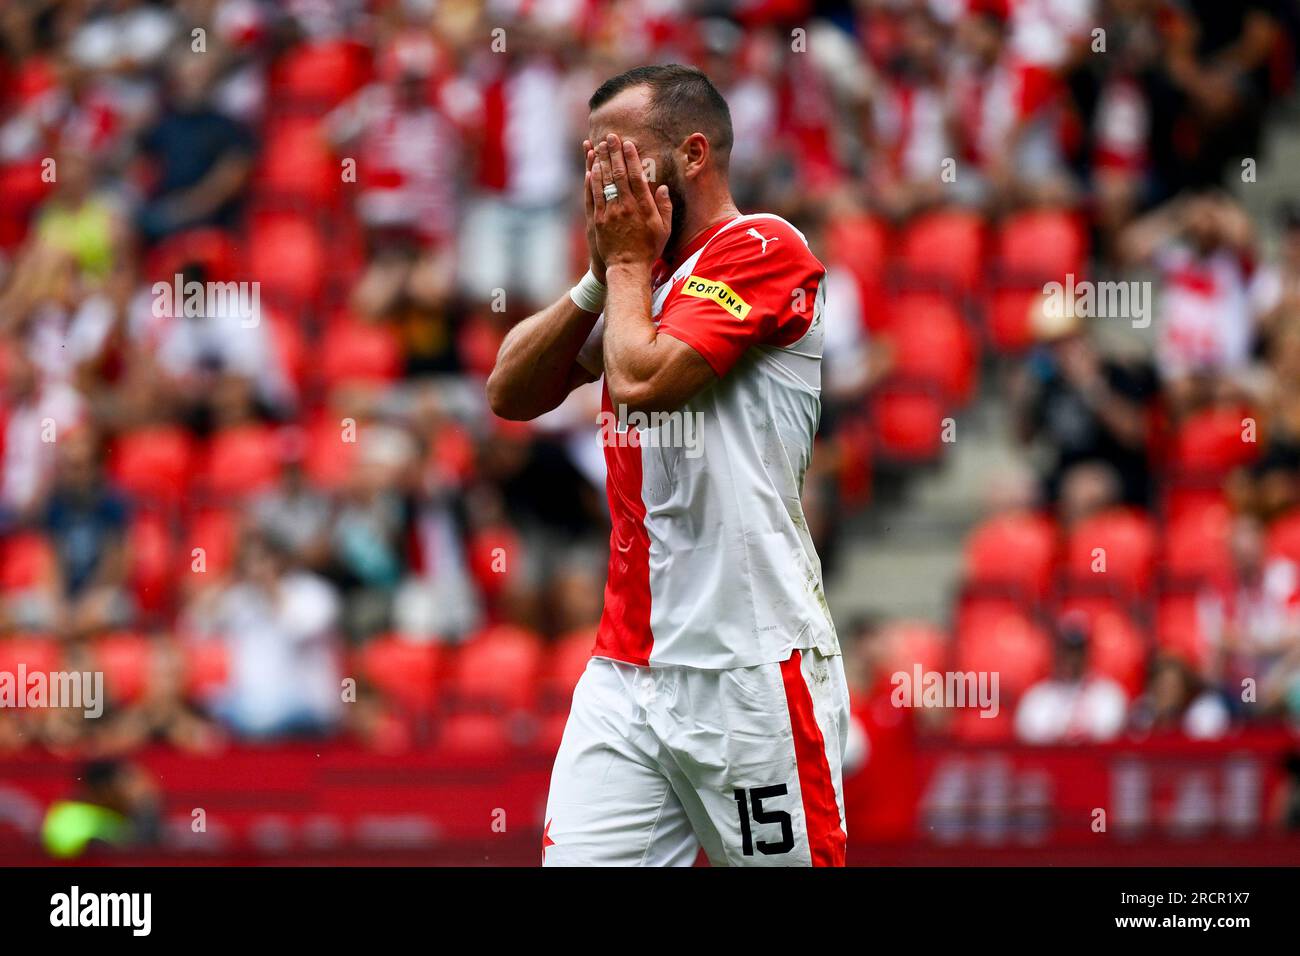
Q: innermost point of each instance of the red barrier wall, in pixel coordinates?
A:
(1165, 801)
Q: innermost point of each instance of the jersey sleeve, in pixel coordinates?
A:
(753, 285)
(592, 355)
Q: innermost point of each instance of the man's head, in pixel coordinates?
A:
(1201, 221)
(679, 122)
(982, 32)
(263, 558)
(1072, 638)
(921, 44)
(189, 81)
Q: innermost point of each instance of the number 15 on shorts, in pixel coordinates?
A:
(750, 805)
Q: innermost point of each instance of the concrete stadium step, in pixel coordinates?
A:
(903, 557)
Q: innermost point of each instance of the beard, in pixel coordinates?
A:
(673, 181)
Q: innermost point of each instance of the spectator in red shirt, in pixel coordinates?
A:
(880, 782)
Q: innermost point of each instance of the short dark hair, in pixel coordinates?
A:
(682, 101)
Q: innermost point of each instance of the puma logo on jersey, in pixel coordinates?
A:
(718, 292)
(757, 235)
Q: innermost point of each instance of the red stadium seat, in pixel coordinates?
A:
(153, 464)
(405, 671)
(932, 345)
(241, 461)
(484, 549)
(497, 669)
(862, 244)
(1015, 552)
(297, 165)
(36, 652)
(1007, 643)
(945, 249)
(24, 188)
(290, 347)
(1114, 550)
(1009, 318)
(153, 560)
(910, 307)
(287, 256)
(125, 658)
(330, 459)
(29, 562)
(215, 531)
(1117, 650)
(1180, 498)
(24, 184)
(1041, 246)
(1197, 546)
(1179, 631)
(1212, 443)
(360, 353)
(912, 643)
(207, 667)
(213, 249)
(320, 74)
(908, 423)
(974, 607)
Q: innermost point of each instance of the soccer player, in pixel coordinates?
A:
(714, 710)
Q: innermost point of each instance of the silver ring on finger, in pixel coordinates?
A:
(610, 192)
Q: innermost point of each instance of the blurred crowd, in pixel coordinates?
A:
(238, 504)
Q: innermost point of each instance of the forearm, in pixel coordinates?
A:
(1141, 239)
(630, 336)
(1258, 35)
(1124, 419)
(534, 369)
(222, 183)
(1121, 415)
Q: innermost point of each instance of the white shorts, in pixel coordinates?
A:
(659, 761)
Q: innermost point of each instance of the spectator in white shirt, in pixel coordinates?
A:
(279, 626)
(1202, 246)
(1074, 705)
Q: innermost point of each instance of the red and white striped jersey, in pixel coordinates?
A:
(711, 562)
(524, 136)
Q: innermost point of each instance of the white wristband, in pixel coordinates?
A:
(589, 294)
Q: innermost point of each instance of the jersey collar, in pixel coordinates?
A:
(695, 245)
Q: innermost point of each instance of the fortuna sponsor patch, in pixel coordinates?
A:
(718, 292)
